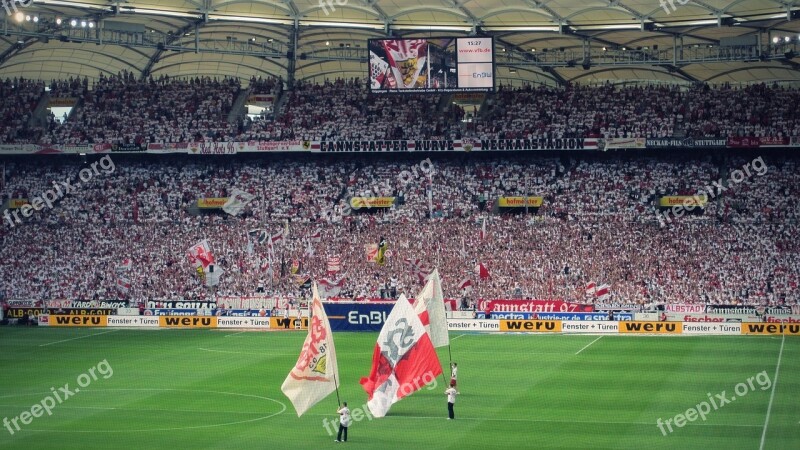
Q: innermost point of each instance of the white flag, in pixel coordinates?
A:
(429, 306)
(237, 201)
(316, 373)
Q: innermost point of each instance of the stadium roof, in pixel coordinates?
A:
(539, 41)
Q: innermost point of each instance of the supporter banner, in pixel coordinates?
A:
(288, 324)
(771, 328)
(260, 99)
(77, 321)
(263, 312)
(254, 302)
(16, 203)
(371, 202)
(62, 101)
(519, 202)
(82, 311)
(712, 328)
(182, 305)
(472, 325)
(215, 148)
(615, 143)
(357, 316)
(532, 306)
(83, 148)
(95, 304)
(784, 319)
(650, 327)
(128, 148)
(706, 317)
(731, 309)
(683, 200)
(24, 303)
(447, 145)
(211, 202)
(127, 311)
(132, 321)
(60, 303)
(160, 148)
(29, 149)
(18, 313)
(539, 144)
(584, 316)
(276, 146)
(684, 308)
(544, 326)
(686, 143)
(781, 310)
(187, 322)
(629, 307)
(756, 142)
(176, 312)
(243, 322)
(600, 327)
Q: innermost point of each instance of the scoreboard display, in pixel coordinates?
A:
(431, 65)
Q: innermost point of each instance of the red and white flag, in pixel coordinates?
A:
(371, 251)
(329, 287)
(418, 268)
(334, 264)
(316, 236)
(590, 288)
(316, 373)
(200, 254)
(125, 266)
(429, 306)
(482, 272)
(483, 229)
(465, 285)
(403, 362)
(603, 292)
(407, 60)
(124, 285)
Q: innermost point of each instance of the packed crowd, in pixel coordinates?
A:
(124, 109)
(598, 223)
(121, 109)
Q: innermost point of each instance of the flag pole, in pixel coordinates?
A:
(336, 383)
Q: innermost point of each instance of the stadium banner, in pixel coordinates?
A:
(18, 313)
(57, 320)
(24, 303)
(211, 202)
(650, 327)
(449, 145)
(245, 302)
(784, 319)
(214, 148)
(519, 202)
(538, 144)
(758, 142)
(472, 325)
(276, 146)
(128, 148)
(771, 328)
(357, 316)
(371, 202)
(617, 143)
(686, 201)
(617, 307)
(62, 101)
(181, 305)
(16, 203)
(553, 316)
(95, 304)
(244, 322)
(706, 317)
(133, 321)
(127, 311)
(81, 311)
(731, 309)
(187, 322)
(782, 310)
(684, 308)
(686, 143)
(542, 326)
(532, 306)
(712, 328)
(30, 149)
(595, 327)
(280, 322)
(177, 312)
(172, 147)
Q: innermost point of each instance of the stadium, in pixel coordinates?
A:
(446, 225)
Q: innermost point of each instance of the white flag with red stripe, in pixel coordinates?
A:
(403, 362)
(316, 374)
(429, 306)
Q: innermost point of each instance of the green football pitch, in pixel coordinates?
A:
(191, 389)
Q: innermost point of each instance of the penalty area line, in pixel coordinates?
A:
(79, 337)
(587, 345)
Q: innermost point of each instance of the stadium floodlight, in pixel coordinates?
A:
(73, 23)
(83, 24)
(19, 17)
(59, 20)
(91, 24)
(775, 40)
(35, 19)
(27, 18)
(787, 39)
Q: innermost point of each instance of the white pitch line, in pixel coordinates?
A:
(459, 336)
(590, 343)
(772, 395)
(79, 337)
(234, 334)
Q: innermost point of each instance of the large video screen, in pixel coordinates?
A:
(431, 65)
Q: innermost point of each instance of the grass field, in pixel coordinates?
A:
(189, 389)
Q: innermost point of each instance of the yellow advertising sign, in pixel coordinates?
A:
(519, 202)
(371, 202)
(187, 321)
(212, 202)
(57, 320)
(626, 326)
(544, 326)
(683, 200)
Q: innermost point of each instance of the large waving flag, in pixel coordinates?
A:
(200, 254)
(236, 202)
(316, 373)
(429, 306)
(404, 360)
(380, 258)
